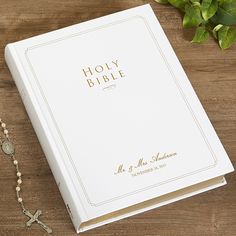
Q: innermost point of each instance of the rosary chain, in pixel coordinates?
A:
(15, 163)
(9, 150)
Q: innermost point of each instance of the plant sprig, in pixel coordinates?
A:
(215, 17)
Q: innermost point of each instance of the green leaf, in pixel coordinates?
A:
(217, 27)
(214, 31)
(221, 2)
(162, 1)
(195, 2)
(192, 16)
(226, 36)
(226, 13)
(209, 8)
(178, 3)
(208, 16)
(201, 35)
(230, 8)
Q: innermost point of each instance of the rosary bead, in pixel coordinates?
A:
(20, 199)
(18, 174)
(5, 131)
(8, 148)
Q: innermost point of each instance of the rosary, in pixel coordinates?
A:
(9, 150)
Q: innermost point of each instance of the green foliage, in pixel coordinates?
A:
(226, 36)
(192, 16)
(201, 35)
(215, 17)
(179, 4)
(208, 8)
(226, 13)
(162, 1)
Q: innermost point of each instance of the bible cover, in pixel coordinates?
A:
(119, 122)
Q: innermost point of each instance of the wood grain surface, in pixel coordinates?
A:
(212, 73)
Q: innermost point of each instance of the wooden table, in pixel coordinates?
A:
(212, 73)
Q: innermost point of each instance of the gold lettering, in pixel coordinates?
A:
(130, 169)
(88, 71)
(146, 165)
(115, 63)
(120, 169)
(105, 78)
(121, 73)
(107, 66)
(103, 73)
(99, 70)
(155, 158)
(90, 82)
(113, 77)
(98, 81)
(141, 162)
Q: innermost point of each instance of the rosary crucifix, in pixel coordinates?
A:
(9, 150)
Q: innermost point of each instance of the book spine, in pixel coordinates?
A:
(73, 205)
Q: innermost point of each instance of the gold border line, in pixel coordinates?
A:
(61, 137)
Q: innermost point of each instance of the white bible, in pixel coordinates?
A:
(119, 122)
